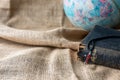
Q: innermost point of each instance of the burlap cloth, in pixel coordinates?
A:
(37, 42)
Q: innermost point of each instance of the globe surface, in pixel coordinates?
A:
(88, 13)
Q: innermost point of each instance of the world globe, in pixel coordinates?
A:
(88, 13)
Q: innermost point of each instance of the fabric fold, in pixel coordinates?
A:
(37, 42)
(53, 38)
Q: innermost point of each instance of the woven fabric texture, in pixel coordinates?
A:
(37, 42)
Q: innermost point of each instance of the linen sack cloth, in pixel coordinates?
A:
(36, 45)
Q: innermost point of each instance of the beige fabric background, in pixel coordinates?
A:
(37, 42)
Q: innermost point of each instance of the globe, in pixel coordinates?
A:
(88, 13)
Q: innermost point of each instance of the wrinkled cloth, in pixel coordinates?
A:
(37, 42)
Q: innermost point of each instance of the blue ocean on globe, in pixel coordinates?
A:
(88, 13)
